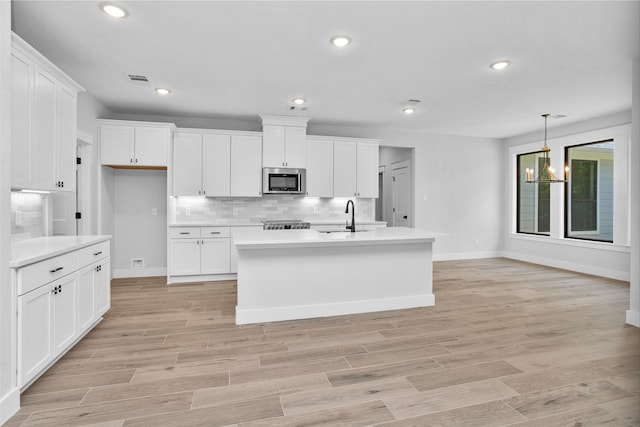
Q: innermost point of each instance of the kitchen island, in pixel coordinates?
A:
(299, 274)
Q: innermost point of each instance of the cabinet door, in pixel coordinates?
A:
(44, 131)
(320, 168)
(216, 162)
(21, 91)
(344, 169)
(35, 341)
(186, 171)
(102, 283)
(246, 166)
(295, 147)
(273, 146)
(65, 160)
(151, 146)
(64, 318)
(215, 256)
(86, 297)
(185, 256)
(116, 145)
(367, 170)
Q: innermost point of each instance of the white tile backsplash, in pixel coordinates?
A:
(28, 215)
(210, 210)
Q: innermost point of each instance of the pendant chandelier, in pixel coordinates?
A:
(546, 174)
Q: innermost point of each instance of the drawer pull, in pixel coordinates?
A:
(215, 232)
(97, 253)
(56, 270)
(185, 232)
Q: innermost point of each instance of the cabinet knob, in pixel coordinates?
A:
(130, 160)
(136, 160)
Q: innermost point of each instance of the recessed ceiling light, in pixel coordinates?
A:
(113, 10)
(340, 41)
(408, 110)
(500, 65)
(163, 91)
(299, 101)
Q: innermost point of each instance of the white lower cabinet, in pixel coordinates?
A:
(199, 251)
(54, 310)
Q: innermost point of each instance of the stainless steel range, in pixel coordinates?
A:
(286, 224)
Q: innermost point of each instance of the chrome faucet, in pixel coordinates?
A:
(351, 227)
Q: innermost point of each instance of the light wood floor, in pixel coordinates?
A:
(507, 343)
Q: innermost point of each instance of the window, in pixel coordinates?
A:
(589, 198)
(533, 208)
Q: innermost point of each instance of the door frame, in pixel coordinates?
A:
(395, 166)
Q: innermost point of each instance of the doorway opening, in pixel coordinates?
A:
(395, 203)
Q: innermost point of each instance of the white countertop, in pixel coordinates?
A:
(232, 223)
(312, 238)
(25, 252)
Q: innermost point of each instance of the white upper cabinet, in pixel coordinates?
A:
(43, 122)
(355, 168)
(319, 167)
(246, 166)
(186, 170)
(134, 144)
(216, 163)
(367, 169)
(283, 144)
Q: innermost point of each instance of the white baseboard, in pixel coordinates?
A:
(144, 272)
(579, 268)
(9, 405)
(201, 278)
(465, 255)
(274, 314)
(633, 318)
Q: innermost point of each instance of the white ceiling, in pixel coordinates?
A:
(238, 59)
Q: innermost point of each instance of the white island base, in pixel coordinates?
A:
(299, 274)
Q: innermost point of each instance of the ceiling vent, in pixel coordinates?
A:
(297, 108)
(137, 78)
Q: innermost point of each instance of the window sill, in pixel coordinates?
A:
(605, 246)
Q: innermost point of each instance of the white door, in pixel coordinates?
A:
(295, 147)
(401, 188)
(102, 284)
(116, 144)
(151, 146)
(65, 326)
(86, 296)
(246, 166)
(185, 256)
(186, 170)
(273, 146)
(65, 153)
(215, 256)
(320, 168)
(34, 332)
(216, 161)
(44, 131)
(344, 169)
(367, 169)
(21, 90)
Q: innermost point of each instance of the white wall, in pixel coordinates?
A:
(458, 188)
(633, 314)
(137, 233)
(9, 393)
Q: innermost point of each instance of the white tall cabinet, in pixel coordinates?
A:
(43, 122)
(320, 165)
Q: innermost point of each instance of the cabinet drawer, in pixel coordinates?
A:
(93, 253)
(184, 232)
(208, 232)
(35, 275)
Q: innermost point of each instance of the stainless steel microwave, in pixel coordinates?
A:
(284, 181)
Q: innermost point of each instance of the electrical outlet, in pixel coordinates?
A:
(187, 211)
(154, 211)
(476, 243)
(19, 218)
(316, 210)
(236, 211)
